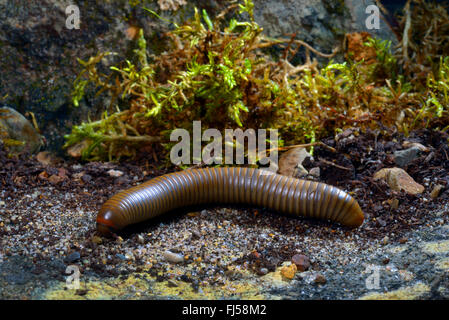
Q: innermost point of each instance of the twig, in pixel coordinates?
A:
(131, 128)
(33, 119)
(319, 143)
(334, 164)
(271, 41)
(132, 138)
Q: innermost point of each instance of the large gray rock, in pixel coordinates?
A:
(39, 53)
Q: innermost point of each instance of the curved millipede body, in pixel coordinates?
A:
(228, 185)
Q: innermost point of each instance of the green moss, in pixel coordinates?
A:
(217, 72)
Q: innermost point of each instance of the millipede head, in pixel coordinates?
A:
(105, 230)
(105, 223)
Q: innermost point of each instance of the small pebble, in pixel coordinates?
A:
(394, 203)
(120, 256)
(74, 256)
(55, 179)
(121, 180)
(404, 157)
(115, 173)
(262, 271)
(289, 271)
(315, 172)
(140, 239)
(97, 240)
(173, 257)
(196, 234)
(436, 191)
(320, 279)
(381, 222)
(86, 178)
(301, 261)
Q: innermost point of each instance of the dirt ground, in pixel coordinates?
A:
(47, 222)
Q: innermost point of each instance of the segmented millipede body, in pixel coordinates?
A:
(228, 185)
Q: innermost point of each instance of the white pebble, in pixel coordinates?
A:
(115, 173)
(173, 257)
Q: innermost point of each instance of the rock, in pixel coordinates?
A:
(140, 239)
(97, 240)
(196, 234)
(346, 136)
(86, 178)
(404, 157)
(74, 256)
(76, 150)
(381, 222)
(43, 175)
(78, 175)
(63, 173)
(398, 180)
(47, 158)
(290, 162)
(301, 261)
(436, 191)
(55, 179)
(262, 271)
(115, 173)
(394, 203)
(320, 279)
(15, 219)
(121, 180)
(121, 256)
(173, 257)
(410, 144)
(315, 172)
(17, 133)
(289, 271)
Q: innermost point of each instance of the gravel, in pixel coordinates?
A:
(218, 252)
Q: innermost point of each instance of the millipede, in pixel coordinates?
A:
(232, 185)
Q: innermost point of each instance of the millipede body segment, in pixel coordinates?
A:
(228, 185)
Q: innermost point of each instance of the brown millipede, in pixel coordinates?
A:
(228, 185)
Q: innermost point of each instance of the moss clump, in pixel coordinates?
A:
(217, 72)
